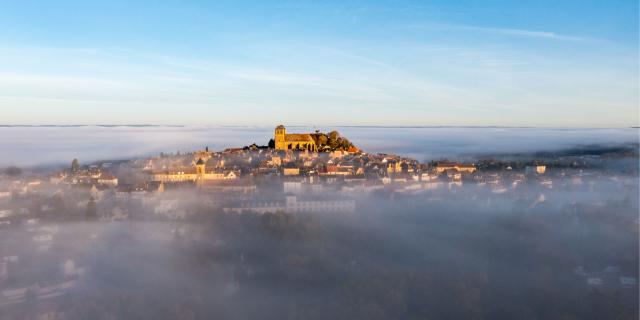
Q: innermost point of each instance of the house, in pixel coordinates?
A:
(108, 180)
(155, 186)
(441, 167)
(5, 194)
(454, 175)
(123, 192)
(275, 161)
(57, 178)
(198, 174)
(536, 169)
(291, 171)
(426, 177)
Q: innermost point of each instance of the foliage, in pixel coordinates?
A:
(284, 225)
(75, 165)
(92, 212)
(13, 171)
(331, 141)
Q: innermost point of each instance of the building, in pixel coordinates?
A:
(535, 169)
(291, 171)
(237, 187)
(454, 175)
(293, 187)
(394, 167)
(292, 204)
(108, 179)
(198, 174)
(293, 141)
(444, 166)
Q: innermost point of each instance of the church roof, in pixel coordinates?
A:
(176, 171)
(298, 137)
(280, 127)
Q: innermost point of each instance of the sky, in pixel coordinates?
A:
(405, 63)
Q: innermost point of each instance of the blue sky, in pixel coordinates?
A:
(510, 63)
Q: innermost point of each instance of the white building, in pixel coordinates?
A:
(293, 187)
(292, 204)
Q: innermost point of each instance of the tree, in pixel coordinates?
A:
(332, 140)
(344, 143)
(272, 144)
(13, 171)
(30, 303)
(75, 166)
(92, 211)
(322, 139)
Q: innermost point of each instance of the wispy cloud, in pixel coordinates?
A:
(504, 31)
(359, 58)
(522, 33)
(440, 82)
(277, 77)
(54, 81)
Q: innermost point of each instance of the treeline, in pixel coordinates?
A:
(332, 141)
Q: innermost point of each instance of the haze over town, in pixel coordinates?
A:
(319, 160)
(311, 219)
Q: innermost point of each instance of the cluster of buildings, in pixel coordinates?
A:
(89, 175)
(290, 175)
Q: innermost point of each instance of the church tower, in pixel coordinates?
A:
(279, 138)
(200, 165)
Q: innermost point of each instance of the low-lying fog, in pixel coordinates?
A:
(28, 146)
(566, 250)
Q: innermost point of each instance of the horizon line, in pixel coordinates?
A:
(141, 125)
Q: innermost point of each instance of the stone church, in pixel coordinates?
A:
(293, 141)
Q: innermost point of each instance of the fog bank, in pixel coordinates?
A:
(36, 146)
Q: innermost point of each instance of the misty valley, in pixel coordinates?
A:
(256, 232)
(301, 160)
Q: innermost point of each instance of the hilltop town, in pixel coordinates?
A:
(313, 172)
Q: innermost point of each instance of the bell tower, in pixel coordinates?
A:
(279, 137)
(200, 170)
